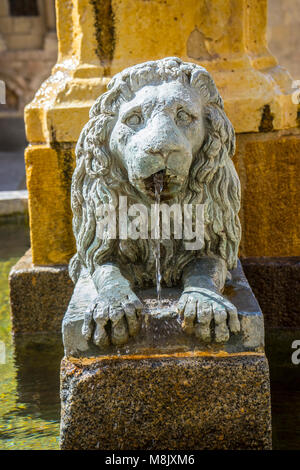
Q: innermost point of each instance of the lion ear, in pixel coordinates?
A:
(90, 147)
(215, 115)
(202, 80)
(97, 162)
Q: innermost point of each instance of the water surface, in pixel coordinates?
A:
(29, 381)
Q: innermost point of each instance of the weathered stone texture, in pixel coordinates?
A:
(268, 165)
(39, 296)
(276, 284)
(95, 44)
(175, 402)
(161, 328)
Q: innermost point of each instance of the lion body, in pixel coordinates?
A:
(100, 178)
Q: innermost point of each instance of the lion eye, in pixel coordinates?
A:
(184, 117)
(134, 120)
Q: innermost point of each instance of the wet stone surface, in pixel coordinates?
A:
(161, 327)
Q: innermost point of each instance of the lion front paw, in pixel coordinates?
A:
(112, 319)
(203, 307)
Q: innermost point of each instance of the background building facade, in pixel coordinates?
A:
(28, 49)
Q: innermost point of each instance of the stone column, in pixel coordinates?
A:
(97, 39)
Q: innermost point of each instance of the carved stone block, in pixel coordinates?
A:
(183, 401)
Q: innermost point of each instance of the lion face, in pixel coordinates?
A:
(159, 130)
(163, 116)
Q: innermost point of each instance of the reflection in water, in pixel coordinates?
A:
(29, 379)
(38, 360)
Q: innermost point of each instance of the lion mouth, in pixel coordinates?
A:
(161, 183)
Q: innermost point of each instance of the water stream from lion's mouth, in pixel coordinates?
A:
(158, 180)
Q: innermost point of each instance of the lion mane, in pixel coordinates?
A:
(100, 178)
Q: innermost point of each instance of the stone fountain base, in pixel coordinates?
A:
(161, 328)
(164, 389)
(183, 401)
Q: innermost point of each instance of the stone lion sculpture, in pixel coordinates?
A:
(164, 116)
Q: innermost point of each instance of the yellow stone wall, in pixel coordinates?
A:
(268, 165)
(49, 173)
(99, 38)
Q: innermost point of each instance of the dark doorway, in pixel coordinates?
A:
(23, 8)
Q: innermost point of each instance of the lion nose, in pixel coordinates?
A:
(162, 137)
(161, 153)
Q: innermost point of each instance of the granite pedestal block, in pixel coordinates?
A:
(183, 401)
(164, 389)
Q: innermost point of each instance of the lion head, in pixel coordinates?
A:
(167, 117)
